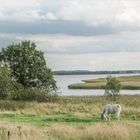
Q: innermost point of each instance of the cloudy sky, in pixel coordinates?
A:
(76, 34)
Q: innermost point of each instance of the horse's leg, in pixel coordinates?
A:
(105, 116)
(109, 116)
(118, 116)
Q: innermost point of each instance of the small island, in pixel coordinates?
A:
(127, 82)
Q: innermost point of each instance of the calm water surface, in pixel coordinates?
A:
(64, 80)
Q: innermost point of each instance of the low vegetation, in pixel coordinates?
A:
(127, 82)
(112, 88)
(70, 118)
(111, 131)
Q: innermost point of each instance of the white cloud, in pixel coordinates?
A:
(93, 12)
(66, 44)
(95, 61)
(111, 52)
(130, 15)
(25, 10)
(117, 13)
(61, 44)
(50, 16)
(98, 12)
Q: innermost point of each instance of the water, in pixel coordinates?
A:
(64, 80)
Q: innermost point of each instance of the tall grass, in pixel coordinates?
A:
(100, 131)
(69, 118)
(111, 131)
(85, 108)
(9, 131)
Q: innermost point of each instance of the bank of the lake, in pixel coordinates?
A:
(127, 82)
(64, 80)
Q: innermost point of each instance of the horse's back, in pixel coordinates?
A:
(112, 108)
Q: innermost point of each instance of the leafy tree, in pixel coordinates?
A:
(112, 88)
(28, 66)
(9, 88)
(5, 83)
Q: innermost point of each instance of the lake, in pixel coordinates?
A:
(64, 80)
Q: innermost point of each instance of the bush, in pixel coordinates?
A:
(44, 95)
(35, 95)
(112, 88)
(11, 105)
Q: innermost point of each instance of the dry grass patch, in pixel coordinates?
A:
(11, 131)
(104, 131)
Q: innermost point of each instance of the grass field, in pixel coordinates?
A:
(70, 118)
(127, 82)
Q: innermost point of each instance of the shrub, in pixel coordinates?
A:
(112, 88)
(45, 96)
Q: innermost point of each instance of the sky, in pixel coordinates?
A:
(76, 34)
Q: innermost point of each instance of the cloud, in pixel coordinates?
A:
(107, 52)
(95, 61)
(50, 16)
(75, 28)
(65, 44)
(94, 13)
(19, 10)
(68, 44)
(93, 34)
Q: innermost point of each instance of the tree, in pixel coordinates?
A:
(5, 83)
(9, 88)
(112, 87)
(28, 66)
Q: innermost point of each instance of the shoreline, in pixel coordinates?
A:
(127, 82)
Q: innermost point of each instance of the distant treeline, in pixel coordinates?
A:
(82, 72)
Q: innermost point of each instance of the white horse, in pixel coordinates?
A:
(111, 109)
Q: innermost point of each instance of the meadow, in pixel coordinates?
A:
(69, 118)
(127, 82)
